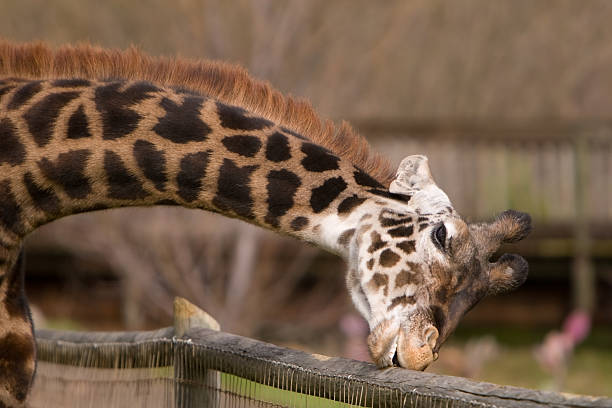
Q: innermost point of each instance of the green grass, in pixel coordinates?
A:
(259, 392)
(590, 372)
(63, 324)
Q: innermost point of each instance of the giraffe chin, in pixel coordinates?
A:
(409, 345)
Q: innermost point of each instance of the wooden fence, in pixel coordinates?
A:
(189, 366)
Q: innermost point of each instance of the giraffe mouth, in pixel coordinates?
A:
(395, 360)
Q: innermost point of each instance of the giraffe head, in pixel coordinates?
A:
(416, 267)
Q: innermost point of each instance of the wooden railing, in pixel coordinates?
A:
(190, 365)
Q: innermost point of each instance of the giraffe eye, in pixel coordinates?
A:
(438, 236)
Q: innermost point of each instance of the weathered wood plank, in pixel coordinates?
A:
(341, 379)
(392, 385)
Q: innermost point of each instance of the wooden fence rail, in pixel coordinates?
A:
(206, 367)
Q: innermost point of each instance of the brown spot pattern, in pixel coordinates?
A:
(44, 199)
(41, 117)
(390, 218)
(348, 204)
(122, 184)
(377, 242)
(401, 300)
(402, 231)
(14, 374)
(404, 278)
(281, 188)
(189, 179)
(78, 125)
(10, 211)
(12, 150)
(407, 246)
(24, 94)
(388, 258)
(379, 280)
(322, 196)
(299, 223)
(68, 170)
(234, 189)
(346, 236)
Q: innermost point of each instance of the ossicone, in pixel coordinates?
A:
(509, 226)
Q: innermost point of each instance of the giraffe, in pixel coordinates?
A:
(84, 129)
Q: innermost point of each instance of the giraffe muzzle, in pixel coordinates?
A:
(416, 352)
(408, 345)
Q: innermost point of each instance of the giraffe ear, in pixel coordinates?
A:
(508, 273)
(412, 175)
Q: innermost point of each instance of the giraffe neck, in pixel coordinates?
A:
(69, 146)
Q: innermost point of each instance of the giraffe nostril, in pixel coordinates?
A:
(431, 336)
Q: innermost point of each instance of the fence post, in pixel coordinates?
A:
(195, 385)
(583, 277)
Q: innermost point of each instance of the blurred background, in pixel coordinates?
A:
(512, 102)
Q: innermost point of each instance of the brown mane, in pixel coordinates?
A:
(229, 83)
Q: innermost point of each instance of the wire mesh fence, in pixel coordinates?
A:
(214, 369)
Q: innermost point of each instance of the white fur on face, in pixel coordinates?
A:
(373, 301)
(388, 283)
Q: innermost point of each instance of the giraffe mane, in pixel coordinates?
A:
(226, 82)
